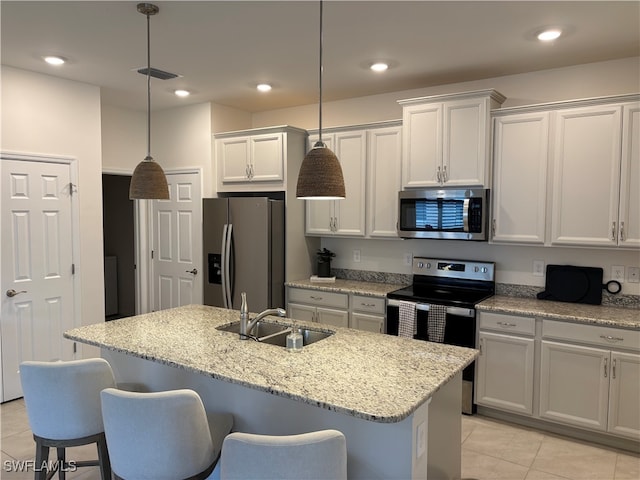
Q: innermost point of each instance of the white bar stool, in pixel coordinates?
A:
(63, 407)
(314, 455)
(162, 435)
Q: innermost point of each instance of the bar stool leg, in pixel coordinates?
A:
(42, 456)
(103, 458)
(62, 472)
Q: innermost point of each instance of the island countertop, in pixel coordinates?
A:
(375, 377)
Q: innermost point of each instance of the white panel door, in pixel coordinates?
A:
(351, 151)
(177, 243)
(624, 396)
(37, 258)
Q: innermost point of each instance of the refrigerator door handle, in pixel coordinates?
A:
(227, 256)
(223, 267)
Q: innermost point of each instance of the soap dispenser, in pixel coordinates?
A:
(244, 316)
(294, 340)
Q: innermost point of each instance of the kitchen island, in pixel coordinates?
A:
(396, 400)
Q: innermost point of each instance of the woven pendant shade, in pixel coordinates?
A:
(320, 176)
(148, 182)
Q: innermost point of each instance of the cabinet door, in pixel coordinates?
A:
(421, 145)
(624, 396)
(586, 176)
(629, 228)
(505, 372)
(233, 157)
(574, 385)
(330, 316)
(519, 194)
(465, 143)
(383, 169)
(319, 217)
(350, 212)
(301, 312)
(370, 323)
(267, 158)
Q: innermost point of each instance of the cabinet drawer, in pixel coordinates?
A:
(591, 334)
(507, 323)
(362, 303)
(319, 297)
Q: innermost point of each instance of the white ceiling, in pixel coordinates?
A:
(223, 49)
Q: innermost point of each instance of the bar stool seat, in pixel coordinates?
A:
(314, 455)
(162, 435)
(63, 407)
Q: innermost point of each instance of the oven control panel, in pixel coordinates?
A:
(439, 267)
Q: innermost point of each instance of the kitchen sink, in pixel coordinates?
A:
(276, 334)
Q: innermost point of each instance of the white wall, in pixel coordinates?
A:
(124, 139)
(581, 81)
(48, 115)
(514, 263)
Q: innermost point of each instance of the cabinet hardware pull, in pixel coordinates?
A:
(613, 368)
(246, 171)
(480, 346)
(368, 304)
(612, 339)
(613, 230)
(445, 176)
(439, 175)
(493, 228)
(315, 298)
(622, 231)
(605, 368)
(506, 324)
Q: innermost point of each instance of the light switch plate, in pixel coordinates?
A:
(356, 256)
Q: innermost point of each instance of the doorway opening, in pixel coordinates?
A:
(119, 247)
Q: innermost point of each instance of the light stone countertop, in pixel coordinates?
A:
(574, 312)
(375, 377)
(369, 289)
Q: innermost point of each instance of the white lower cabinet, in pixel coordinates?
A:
(361, 312)
(318, 306)
(506, 363)
(593, 386)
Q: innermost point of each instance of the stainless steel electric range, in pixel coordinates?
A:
(451, 286)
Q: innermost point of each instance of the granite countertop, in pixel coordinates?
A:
(602, 315)
(369, 289)
(375, 377)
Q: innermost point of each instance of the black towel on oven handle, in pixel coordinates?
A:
(436, 322)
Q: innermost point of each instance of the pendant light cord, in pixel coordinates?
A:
(148, 88)
(320, 81)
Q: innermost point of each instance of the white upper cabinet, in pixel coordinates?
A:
(383, 184)
(446, 139)
(596, 176)
(255, 160)
(629, 214)
(519, 196)
(342, 217)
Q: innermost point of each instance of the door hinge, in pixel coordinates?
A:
(151, 254)
(73, 269)
(72, 189)
(75, 347)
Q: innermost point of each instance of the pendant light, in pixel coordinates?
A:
(320, 175)
(148, 180)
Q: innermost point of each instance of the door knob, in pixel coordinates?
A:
(13, 293)
(194, 271)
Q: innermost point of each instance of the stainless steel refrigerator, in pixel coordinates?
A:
(243, 241)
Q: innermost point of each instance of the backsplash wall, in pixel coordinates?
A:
(514, 264)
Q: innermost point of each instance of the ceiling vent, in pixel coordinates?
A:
(155, 73)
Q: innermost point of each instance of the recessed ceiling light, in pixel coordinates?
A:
(182, 93)
(379, 67)
(54, 60)
(549, 35)
(264, 87)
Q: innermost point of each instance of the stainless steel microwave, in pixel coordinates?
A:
(444, 213)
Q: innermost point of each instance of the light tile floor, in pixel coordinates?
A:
(491, 450)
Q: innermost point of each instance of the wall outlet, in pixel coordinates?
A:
(633, 274)
(538, 268)
(356, 256)
(421, 440)
(617, 273)
(408, 259)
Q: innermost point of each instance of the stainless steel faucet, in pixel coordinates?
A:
(247, 324)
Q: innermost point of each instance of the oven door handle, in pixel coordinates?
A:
(457, 311)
